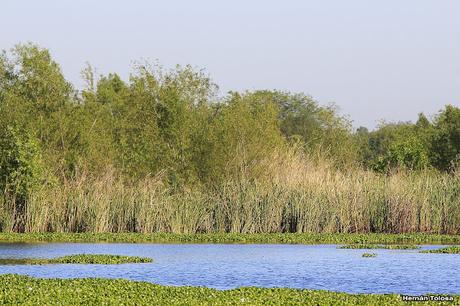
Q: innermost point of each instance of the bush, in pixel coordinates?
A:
(21, 170)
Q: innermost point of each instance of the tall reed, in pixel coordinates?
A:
(295, 194)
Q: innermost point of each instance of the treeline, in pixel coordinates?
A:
(425, 144)
(170, 126)
(160, 121)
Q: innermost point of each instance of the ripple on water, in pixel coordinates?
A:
(231, 266)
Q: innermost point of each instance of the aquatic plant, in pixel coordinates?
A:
(447, 250)
(380, 246)
(77, 259)
(369, 255)
(24, 261)
(289, 238)
(18, 289)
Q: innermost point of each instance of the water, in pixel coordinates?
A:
(230, 266)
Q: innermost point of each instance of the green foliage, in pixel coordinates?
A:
(31, 74)
(362, 241)
(21, 168)
(99, 259)
(394, 146)
(414, 146)
(77, 259)
(21, 175)
(409, 153)
(369, 255)
(244, 130)
(319, 128)
(171, 122)
(380, 246)
(208, 163)
(405, 152)
(37, 99)
(447, 250)
(446, 139)
(26, 290)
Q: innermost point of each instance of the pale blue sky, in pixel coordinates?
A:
(375, 59)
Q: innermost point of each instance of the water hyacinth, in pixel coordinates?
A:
(77, 259)
(93, 291)
(368, 239)
(380, 246)
(446, 250)
(369, 255)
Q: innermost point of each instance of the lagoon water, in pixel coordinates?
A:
(230, 266)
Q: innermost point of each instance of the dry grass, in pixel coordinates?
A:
(294, 194)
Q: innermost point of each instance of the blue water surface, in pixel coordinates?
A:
(227, 266)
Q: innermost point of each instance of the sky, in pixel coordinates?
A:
(376, 60)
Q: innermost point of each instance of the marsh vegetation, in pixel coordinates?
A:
(447, 250)
(369, 255)
(77, 259)
(163, 152)
(380, 246)
(359, 240)
(32, 291)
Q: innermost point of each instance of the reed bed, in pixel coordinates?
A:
(294, 194)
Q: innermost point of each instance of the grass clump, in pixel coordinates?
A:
(369, 255)
(18, 289)
(447, 250)
(77, 259)
(380, 246)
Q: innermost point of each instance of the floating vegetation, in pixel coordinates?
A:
(77, 259)
(24, 261)
(447, 250)
(288, 238)
(369, 255)
(18, 289)
(380, 246)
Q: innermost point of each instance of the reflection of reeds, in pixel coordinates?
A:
(293, 194)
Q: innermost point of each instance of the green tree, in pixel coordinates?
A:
(322, 130)
(38, 99)
(397, 145)
(245, 131)
(446, 139)
(21, 170)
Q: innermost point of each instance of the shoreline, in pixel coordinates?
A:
(229, 238)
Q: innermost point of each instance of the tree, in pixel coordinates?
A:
(446, 139)
(397, 145)
(37, 78)
(38, 99)
(21, 169)
(245, 130)
(321, 129)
